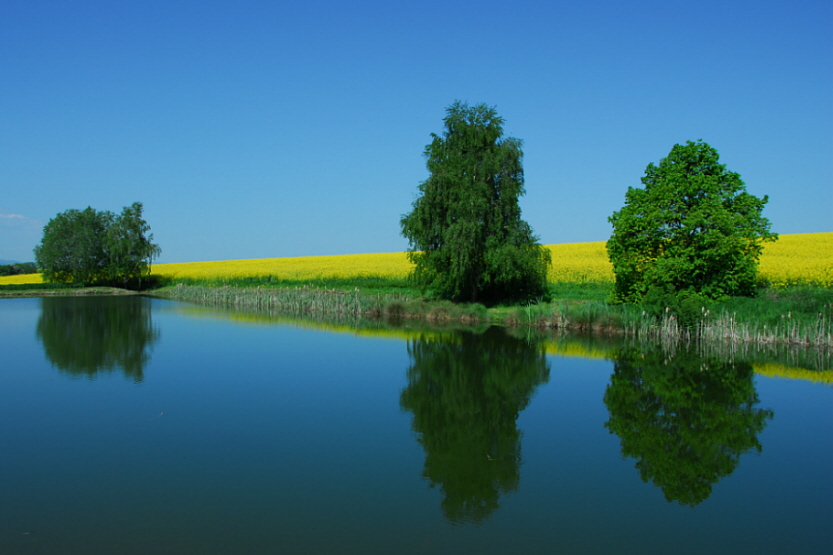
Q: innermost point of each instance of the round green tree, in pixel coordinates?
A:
(72, 249)
(467, 239)
(97, 247)
(692, 228)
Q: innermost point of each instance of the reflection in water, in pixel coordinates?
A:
(84, 336)
(465, 392)
(684, 418)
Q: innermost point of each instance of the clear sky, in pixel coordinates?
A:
(269, 129)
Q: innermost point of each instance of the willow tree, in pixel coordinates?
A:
(467, 238)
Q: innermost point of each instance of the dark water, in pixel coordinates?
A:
(131, 425)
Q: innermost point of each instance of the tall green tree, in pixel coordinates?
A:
(693, 227)
(72, 247)
(130, 248)
(95, 247)
(467, 238)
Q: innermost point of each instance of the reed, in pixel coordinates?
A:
(314, 301)
(764, 321)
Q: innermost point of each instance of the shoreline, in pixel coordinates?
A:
(80, 292)
(570, 315)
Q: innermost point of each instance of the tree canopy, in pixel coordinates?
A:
(467, 238)
(693, 227)
(96, 247)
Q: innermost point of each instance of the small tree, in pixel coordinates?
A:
(90, 246)
(692, 228)
(467, 238)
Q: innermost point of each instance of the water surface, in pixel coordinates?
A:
(132, 425)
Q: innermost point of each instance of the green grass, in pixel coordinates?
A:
(586, 291)
(798, 315)
(370, 285)
(39, 286)
(772, 306)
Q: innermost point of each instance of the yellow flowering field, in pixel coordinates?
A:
(796, 258)
(580, 263)
(20, 279)
(799, 258)
(792, 259)
(392, 265)
(574, 262)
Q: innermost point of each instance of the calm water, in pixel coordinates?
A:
(131, 425)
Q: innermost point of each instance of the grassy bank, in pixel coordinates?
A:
(798, 315)
(793, 307)
(314, 300)
(58, 289)
(802, 316)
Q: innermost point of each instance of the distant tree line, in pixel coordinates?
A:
(18, 269)
(97, 247)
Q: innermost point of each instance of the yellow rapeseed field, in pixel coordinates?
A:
(580, 263)
(20, 279)
(390, 265)
(797, 258)
(803, 258)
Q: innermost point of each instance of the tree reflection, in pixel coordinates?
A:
(465, 392)
(84, 336)
(685, 419)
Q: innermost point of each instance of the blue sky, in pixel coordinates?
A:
(268, 129)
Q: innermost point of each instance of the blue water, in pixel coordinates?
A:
(182, 430)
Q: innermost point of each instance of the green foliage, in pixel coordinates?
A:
(692, 228)
(467, 238)
(687, 306)
(96, 247)
(72, 248)
(130, 249)
(685, 419)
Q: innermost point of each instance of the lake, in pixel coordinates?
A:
(138, 425)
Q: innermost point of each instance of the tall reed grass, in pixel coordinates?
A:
(314, 301)
(804, 317)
